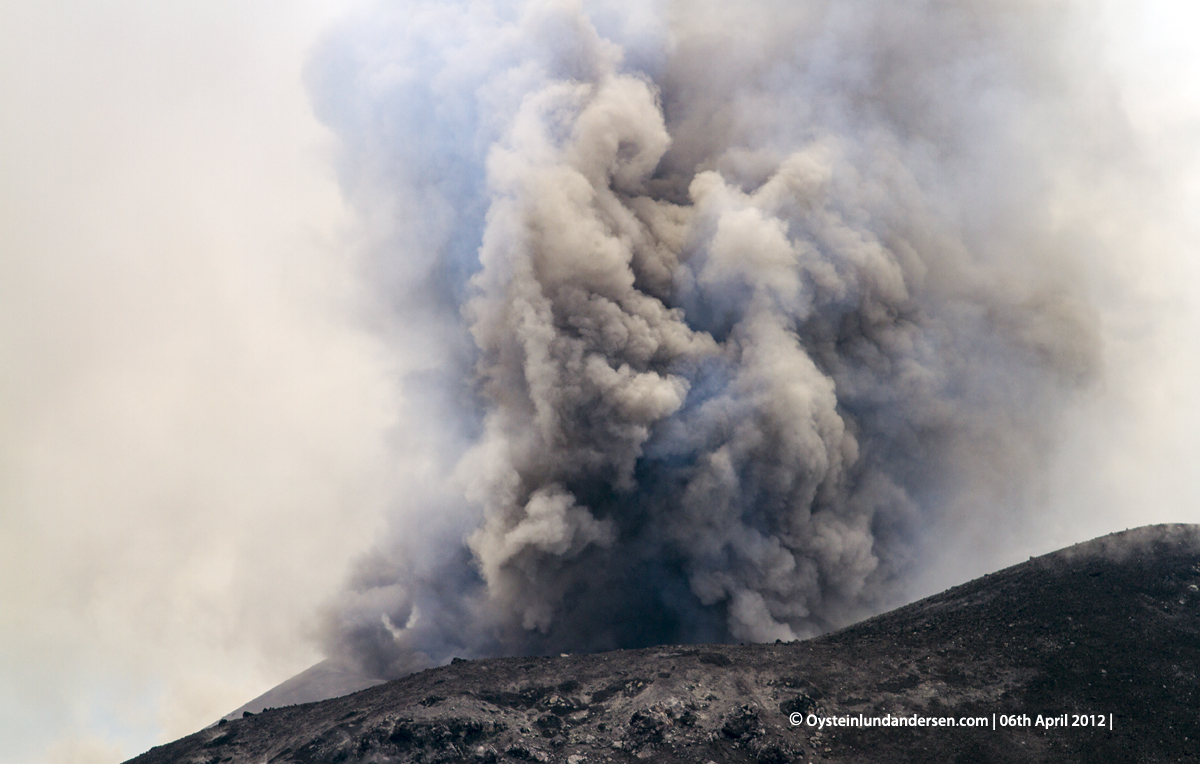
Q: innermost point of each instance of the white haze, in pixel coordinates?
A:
(195, 430)
(217, 395)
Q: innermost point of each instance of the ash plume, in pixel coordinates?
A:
(732, 306)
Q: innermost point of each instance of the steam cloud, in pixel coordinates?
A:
(725, 306)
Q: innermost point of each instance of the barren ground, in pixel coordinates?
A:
(1107, 629)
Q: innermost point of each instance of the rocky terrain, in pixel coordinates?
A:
(1103, 632)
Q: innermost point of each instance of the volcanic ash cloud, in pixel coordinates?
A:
(744, 305)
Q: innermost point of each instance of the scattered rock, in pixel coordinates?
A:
(742, 724)
(1042, 637)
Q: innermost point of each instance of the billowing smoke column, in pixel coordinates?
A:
(731, 304)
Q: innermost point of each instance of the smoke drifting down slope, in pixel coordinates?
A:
(747, 300)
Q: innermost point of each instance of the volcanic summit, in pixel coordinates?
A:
(1087, 654)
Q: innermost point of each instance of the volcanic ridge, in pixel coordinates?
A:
(1106, 632)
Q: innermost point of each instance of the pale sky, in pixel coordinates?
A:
(192, 423)
(196, 425)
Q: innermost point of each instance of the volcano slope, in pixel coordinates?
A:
(1108, 629)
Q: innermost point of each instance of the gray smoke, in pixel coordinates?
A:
(727, 307)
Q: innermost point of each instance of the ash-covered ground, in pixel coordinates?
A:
(1105, 630)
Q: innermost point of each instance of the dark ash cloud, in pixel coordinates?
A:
(724, 308)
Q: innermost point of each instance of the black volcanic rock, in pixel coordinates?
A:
(1106, 630)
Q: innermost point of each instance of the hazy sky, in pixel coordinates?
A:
(199, 431)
